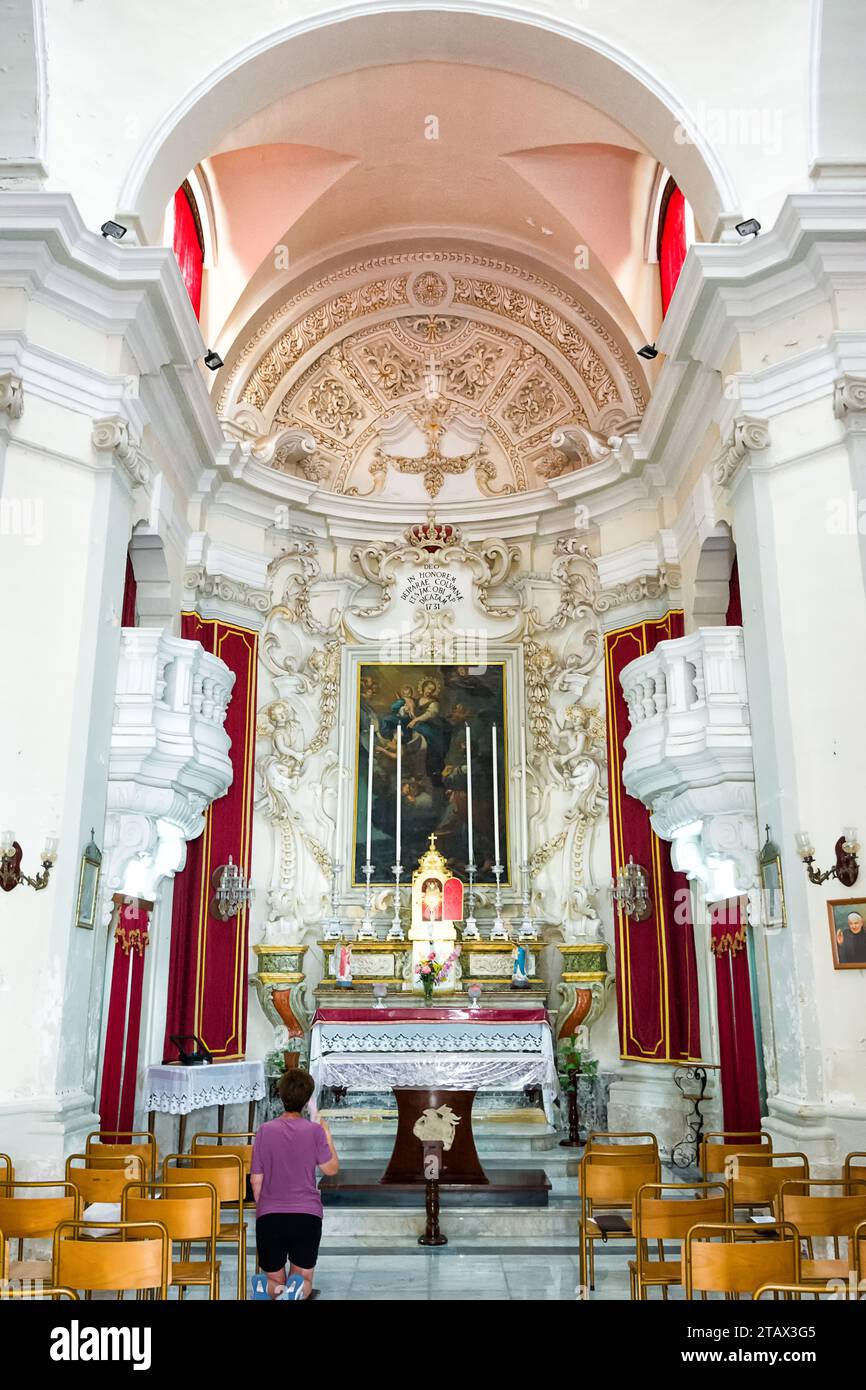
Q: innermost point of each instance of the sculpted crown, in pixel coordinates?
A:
(432, 534)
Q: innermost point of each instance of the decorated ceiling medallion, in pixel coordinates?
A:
(430, 289)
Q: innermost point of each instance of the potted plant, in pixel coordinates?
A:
(571, 1064)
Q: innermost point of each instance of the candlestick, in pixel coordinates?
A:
(395, 932)
(366, 932)
(370, 749)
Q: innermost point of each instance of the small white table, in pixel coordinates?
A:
(172, 1089)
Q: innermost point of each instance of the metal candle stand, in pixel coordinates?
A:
(367, 871)
(396, 932)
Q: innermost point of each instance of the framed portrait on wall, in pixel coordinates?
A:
(848, 933)
(432, 705)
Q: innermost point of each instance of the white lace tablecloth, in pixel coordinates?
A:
(176, 1090)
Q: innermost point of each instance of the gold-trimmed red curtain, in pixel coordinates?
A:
(207, 981)
(738, 1054)
(656, 976)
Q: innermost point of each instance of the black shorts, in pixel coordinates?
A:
(288, 1236)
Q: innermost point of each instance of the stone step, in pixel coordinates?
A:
(386, 1226)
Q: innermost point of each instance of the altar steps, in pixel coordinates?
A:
(390, 1228)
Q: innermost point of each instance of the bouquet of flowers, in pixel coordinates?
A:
(432, 972)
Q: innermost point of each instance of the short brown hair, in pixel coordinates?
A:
(294, 1089)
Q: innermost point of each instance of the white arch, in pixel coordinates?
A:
(486, 33)
(713, 578)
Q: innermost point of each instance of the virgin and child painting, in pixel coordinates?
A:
(431, 705)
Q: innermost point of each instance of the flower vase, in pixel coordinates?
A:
(428, 992)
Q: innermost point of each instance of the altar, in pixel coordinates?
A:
(489, 1049)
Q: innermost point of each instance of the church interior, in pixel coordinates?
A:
(428, 435)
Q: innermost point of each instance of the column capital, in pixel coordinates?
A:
(748, 435)
(112, 435)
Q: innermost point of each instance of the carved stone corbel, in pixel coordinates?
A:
(11, 395)
(112, 436)
(748, 436)
(849, 396)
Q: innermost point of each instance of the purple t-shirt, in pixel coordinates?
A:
(286, 1153)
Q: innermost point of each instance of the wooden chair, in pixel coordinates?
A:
(212, 1144)
(189, 1212)
(755, 1178)
(608, 1182)
(107, 1148)
(35, 1218)
(854, 1166)
(132, 1256)
(661, 1217)
(98, 1183)
(7, 1169)
(798, 1291)
(824, 1216)
(857, 1255)
(47, 1292)
(622, 1143)
(735, 1258)
(720, 1146)
(227, 1175)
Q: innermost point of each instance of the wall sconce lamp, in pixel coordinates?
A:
(232, 891)
(630, 891)
(846, 867)
(10, 863)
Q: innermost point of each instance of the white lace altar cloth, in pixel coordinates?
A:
(485, 1057)
(176, 1090)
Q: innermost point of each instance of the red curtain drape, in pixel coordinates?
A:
(734, 615)
(130, 593)
(741, 1100)
(657, 981)
(207, 982)
(188, 249)
(672, 245)
(123, 1027)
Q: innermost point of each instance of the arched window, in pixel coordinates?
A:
(188, 243)
(672, 240)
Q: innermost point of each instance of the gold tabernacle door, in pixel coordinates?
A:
(437, 898)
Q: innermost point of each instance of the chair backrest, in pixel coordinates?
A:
(734, 1257)
(98, 1184)
(755, 1178)
(857, 1251)
(7, 1170)
(822, 1213)
(832, 1290)
(51, 1293)
(662, 1211)
(129, 1256)
(621, 1142)
(190, 1216)
(35, 1217)
(213, 1146)
(227, 1175)
(107, 1148)
(855, 1166)
(614, 1180)
(717, 1147)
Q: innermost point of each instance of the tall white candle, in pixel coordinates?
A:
(469, 793)
(399, 784)
(370, 750)
(523, 791)
(495, 800)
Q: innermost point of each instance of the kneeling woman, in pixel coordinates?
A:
(286, 1153)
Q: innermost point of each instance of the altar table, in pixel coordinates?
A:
(484, 1049)
(173, 1089)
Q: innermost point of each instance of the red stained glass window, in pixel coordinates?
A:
(188, 245)
(671, 241)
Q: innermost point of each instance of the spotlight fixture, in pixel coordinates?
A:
(846, 868)
(213, 360)
(648, 351)
(115, 230)
(750, 227)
